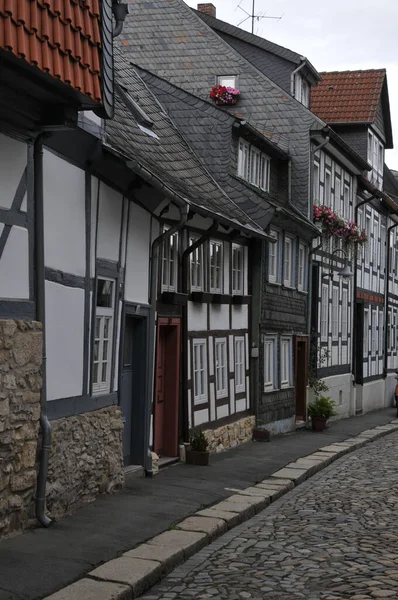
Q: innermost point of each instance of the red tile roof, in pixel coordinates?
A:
(348, 96)
(60, 37)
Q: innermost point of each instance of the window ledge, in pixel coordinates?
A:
(221, 299)
(240, 299)
(174, 298)
(201, 297)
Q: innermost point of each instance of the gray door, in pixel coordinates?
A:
(133, 389)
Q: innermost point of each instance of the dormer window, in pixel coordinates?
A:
(376, 160)
(302, 90)
(253, 165)
(227, 80)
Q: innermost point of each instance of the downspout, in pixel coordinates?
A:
(294, 73)
(387, 300)
(184, 330)
(355, 286)
(154, 266)
(40, 316)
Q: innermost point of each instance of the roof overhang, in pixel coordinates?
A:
(340, 150)
(369, 187)
(253, 134)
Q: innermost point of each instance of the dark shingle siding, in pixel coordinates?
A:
(356, 137)
(379, 123)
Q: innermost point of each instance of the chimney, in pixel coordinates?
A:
(207, 9)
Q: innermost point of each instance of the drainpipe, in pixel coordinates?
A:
(355, 312)
(40, 316)
(120, 12)
(184, 330)
(292, 75)
(387, 299)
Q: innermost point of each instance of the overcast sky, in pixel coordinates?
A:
(335, 36)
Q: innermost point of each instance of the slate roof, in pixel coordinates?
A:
(169, 39)
(60, 37)
(348, 96)
(166, 155)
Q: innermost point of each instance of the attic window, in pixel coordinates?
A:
(139, 114)
(227, 80)
(301, 90)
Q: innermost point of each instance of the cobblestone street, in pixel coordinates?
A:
(335, 536)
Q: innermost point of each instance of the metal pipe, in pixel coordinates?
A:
(293, 73)
(40, 316)
(184, 330)
(154, 267)
(387, 301)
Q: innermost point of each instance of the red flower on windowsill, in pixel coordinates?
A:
(334, 225)
(224, 95)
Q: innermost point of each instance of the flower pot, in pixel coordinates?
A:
(231, 102)
(318, 423)
(260, 434)
(193, 457)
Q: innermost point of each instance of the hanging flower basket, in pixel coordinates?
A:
(224, 95)
(333, 225)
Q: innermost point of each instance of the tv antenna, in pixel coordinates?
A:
(253, 16)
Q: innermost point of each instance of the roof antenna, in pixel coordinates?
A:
(253, 16)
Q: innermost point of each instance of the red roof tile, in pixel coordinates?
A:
(348, 96)
(60, 37)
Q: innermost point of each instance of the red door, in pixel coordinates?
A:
(167, 387)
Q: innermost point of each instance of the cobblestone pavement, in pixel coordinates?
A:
(335, 536)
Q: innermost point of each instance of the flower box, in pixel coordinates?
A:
(332, 225)
(224, 96)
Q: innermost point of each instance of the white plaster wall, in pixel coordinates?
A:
(14, 265)
(197, 317)
(13, 160)
(373, 395)
(232, 396)
(343, 384)
(212, 402)
(241, 405)
(227, 250)
(219, 317)
(222, 411)
(64, 215)
(137, 260)
(118, 318)
(94, 209)
(109, 223)
(64, 338)
(211, 356)
(201, 416)
(240, 317)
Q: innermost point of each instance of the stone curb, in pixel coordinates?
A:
(134, 572)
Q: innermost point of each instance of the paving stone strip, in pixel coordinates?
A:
(134, 572)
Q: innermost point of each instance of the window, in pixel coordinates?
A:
(301, 90)
(302, 268)
(394, 330)
(227, 80)
(328, 188)
(381, 337)
(366, 333)
(376, 160)
(375, 245)
(273, 257)
(324, 311)
(102, 354)
(367, 246)
(339, 203)
(286, 361)
(240, 364)
(221, 368)
(346, 200)
(316, 183)
(216, 267)
(200, 371)
(288, 265)
(374, 332)
(389, 331)
(269, 364)
(253, 165)
(170, 264)
(196, 268)
(237, 269)
(382, 249)
(344, 314)
(335, 313)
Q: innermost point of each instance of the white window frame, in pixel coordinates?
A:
(274, 257)
(316, 183)
(253, 165)
(169, 258)
(243, 159)
(344, 314)
(288, 261)
(375, 159)
(221, 367)
(368, 233)
(216, 270)
(324, 312)
(381, 332)
(227, 80)
(346, 199)
(375, 245)
(382, 249)
(103, 315)
(302, 267)
(286, 361)
(366, 333)
(335, 313)
(197, 267)
(270, 363)
(240, 364)
(200, 384)
(374, 337)
(302, 90)
(327, 195)
(238, 270)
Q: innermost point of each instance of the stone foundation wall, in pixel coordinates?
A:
(20, 386)
(86, 459)
(231, 435)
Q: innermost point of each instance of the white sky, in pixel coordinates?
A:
(334, 35)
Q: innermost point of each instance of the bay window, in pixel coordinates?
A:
(253, 165)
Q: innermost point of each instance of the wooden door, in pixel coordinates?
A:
(160, 390)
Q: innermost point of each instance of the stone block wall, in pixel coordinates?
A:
(86, 459)
(20, 386)
(230, 435)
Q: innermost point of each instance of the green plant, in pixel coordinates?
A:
(318, 356)
(322, 407)
(198, 441)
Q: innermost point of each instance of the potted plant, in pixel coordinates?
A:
(197, 453)
(260, 434)
(320, 410)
